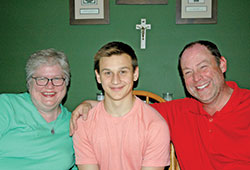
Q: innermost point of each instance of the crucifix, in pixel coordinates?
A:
(143, 27)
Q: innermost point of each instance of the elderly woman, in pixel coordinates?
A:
(34, 126)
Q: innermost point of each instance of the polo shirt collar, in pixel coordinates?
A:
(230, 105)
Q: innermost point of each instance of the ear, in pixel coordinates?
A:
(29, 85)
(136, 73)
(223, 64)
(98, 78)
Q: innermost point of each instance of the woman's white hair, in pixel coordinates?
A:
(47, 57)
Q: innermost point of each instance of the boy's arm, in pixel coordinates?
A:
(81, 110)
(152, 168)
(157, 153)
(88, 167)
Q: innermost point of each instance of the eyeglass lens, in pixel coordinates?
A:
(43, 81)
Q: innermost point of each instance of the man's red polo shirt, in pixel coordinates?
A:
(204, 142)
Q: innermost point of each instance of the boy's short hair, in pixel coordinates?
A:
(115, 48)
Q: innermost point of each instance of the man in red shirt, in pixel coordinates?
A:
(210, 129)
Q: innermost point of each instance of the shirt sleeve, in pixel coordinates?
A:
(157, 148)
(161, 108)
(84, 152)
(5, 110)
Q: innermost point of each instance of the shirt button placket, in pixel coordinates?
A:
(210, 127)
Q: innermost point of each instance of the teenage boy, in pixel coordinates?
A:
(122, 132)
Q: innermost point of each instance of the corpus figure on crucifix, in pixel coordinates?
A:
(143, 27)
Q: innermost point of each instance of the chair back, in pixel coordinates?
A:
(151, 98)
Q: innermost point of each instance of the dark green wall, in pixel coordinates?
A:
(31, 25)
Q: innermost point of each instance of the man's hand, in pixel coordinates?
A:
(81, 111)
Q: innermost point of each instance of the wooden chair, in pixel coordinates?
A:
(151, 98)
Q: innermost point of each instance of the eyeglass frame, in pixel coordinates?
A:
(35, 78)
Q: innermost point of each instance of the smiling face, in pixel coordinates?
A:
(117, 76)
(203, 77)
(47, 98)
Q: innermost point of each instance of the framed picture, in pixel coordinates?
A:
(196, 11)
(89, 12)
(140, 2)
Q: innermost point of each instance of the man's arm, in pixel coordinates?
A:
(88, 167)
(162, 108)
(152, 168)
(81, 110)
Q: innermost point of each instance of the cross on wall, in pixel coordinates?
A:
(143, 27)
